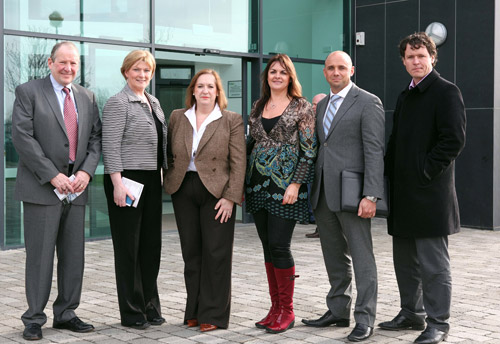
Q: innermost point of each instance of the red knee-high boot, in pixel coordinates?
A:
(273, 293)
(286, 283)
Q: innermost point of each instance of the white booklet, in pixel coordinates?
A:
(68, 197)
(135, 189)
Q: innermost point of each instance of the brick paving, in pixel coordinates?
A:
(475, 257)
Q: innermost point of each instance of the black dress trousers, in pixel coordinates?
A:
(207, 250)
(136, 234)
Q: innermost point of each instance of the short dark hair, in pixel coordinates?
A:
(417, 40)
(56, 47)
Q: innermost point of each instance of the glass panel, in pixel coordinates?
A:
(214, 24)
(307, 29)
(26, 59)
(312, 79)
(109, 19)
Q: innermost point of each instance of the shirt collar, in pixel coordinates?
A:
(412, 83)
(214, 115)
(57, 86)
(343, 92)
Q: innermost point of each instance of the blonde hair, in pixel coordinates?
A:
(138, 55)
(221, 95)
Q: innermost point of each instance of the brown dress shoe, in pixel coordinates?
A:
(207, 327)
(315, 234)
(192, 322)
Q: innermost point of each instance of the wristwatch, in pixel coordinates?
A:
(372, 198)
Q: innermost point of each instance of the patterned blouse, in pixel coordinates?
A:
(286, 155)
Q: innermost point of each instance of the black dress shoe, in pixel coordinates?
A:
(32, 332)
(360, 333)
(326, 320)
(156, 321)
(138, 325)
(75, 325)
(314, 234)
(400, 322)
(431, 335)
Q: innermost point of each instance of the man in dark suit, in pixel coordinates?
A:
(350, 128)
(427, 136)
(56, 131)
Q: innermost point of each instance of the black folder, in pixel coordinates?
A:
(352, 192)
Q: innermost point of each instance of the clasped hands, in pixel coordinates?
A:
(63, 185)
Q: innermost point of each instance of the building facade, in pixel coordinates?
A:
(236, 38)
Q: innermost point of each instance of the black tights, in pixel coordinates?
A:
(275, 233)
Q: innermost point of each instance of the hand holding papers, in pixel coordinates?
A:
(68, 198)
(135, 189)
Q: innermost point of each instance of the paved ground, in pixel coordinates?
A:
(475, 317)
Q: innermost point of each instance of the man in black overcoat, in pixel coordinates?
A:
(428, 135)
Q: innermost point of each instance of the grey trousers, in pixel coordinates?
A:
(423, 273)
(346, 242)
(47, 228)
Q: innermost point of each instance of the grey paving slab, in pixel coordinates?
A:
(475, 257)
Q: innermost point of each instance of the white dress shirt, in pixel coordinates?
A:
(342, 94)
(198, 133)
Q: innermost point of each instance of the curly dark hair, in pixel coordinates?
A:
(417, 40)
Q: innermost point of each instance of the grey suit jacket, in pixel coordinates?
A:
(39, 136)
(355, 142)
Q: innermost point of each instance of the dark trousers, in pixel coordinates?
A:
(49, 229)
(275, 234)
(207, 250)
(423, 273)
(136, 234)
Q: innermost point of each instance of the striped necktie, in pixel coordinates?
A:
(71, 124)
(330, 113)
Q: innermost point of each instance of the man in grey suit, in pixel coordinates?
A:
(350, 127)
(56, 131)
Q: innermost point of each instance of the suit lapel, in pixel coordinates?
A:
(49, 93)
(209, 131)
(80, 107)
(349, 100)
(188, 134)
(320, 114)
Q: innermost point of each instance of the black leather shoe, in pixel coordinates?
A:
(314, 234)
(431, 335)
(400, 322)
(360, 333)
(32, 332)
(156, 321)
(138, 325)
(326, 320)
(75, 325)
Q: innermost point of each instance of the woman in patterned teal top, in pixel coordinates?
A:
(281, 164)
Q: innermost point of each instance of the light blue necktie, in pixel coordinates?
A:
(330, 113)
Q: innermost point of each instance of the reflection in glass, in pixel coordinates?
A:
(215, 24)
(307, 29)
(312, 79)
(26, 59)
(126, 20)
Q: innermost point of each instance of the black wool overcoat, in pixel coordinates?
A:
(428, 134)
